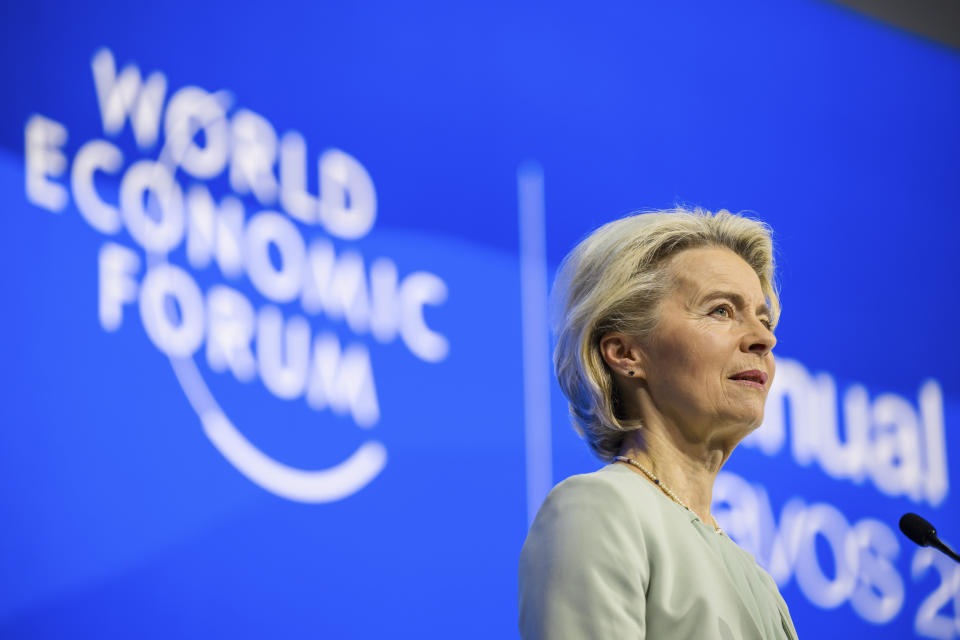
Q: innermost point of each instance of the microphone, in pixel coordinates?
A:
(923, 533)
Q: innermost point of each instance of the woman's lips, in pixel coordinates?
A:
(752, 377)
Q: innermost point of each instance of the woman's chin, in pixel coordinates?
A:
(742, 425)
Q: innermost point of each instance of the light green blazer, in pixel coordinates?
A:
(610, 556)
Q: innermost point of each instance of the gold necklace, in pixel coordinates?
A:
(670, 494)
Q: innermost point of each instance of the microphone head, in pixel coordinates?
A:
(918, 529)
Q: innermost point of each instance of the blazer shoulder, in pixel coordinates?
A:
(597, 500)
(583, 568)
(608, 487)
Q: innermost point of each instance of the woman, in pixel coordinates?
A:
(664, 336)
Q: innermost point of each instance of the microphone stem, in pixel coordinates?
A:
(947, 550)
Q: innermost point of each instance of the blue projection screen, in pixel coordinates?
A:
(275, 286)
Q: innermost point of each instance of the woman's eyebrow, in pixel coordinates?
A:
(738, 301)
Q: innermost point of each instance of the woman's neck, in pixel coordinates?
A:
(688, 469)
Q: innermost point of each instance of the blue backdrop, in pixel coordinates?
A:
(273, 287)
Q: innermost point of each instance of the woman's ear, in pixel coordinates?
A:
(622, 354)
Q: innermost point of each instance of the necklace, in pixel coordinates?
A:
(670, 494)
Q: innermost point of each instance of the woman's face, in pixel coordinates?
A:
(708, 365)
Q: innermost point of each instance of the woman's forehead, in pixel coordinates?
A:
(705, 269)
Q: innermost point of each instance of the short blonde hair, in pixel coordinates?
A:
(613, 281)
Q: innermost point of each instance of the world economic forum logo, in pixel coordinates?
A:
(204, 138)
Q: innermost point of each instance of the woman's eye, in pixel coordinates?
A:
(723, 311)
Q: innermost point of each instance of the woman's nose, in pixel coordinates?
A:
(759, 340)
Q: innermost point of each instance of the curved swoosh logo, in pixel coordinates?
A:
(323, 485)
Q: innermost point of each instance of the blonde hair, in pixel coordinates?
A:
(613, 281)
